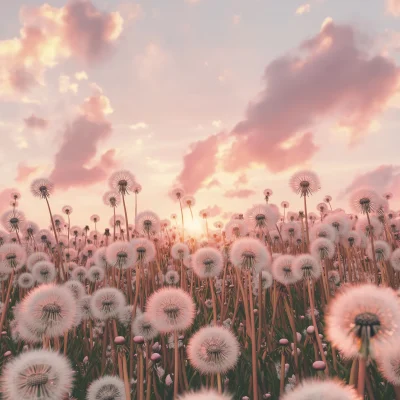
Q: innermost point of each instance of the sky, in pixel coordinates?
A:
(223, 98)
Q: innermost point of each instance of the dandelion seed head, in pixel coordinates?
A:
(305, 183)
(107, 303)
(44, 272)
(363, 319)
(122, 181)
(213, 350)
(171, 309)
(207, 262)
(38, 374)
(249, 253)
(308, 266)
(106, 388)
(26, 280)
(49, 308)
(144, 250)
(322, 248)
(120, 254)
(327, 390)
(13, 255)
(283, 271)
(143, 326)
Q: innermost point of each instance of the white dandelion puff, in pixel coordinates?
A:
(38, 374)
(363, 319)
(213, 350)
(107, 303)
(207, 262)
(171, 309)
(107, 388)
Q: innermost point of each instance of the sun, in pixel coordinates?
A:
(194, 227)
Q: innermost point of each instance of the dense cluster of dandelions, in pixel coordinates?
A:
(248, 309)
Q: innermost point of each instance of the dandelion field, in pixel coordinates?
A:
(273, 304)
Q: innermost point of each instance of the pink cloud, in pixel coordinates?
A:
(25, 171)
(35, 122)
(88, 32)
(199, 163)
(393, 6)
(385, 178)
(213, 183)
(328, 76)
(241, 180)
(49, 35)
(213, 211)
(240, 193)
(75, 162)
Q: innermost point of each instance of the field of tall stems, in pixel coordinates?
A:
(277, 303)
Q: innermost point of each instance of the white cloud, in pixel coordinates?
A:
(81, 76)
(216, 124)
(65, 85)
(139, 125)
(303, 9)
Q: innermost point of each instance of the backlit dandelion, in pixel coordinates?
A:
(213, 350)
(143, 326)
(122, 182)
(235, 228)
(364, 201)
(307, 266)
(107, 303)
(107, 388)
(38, 374)
(207, 262)
(44, 272)
(13, 220)
(261, 216)
(120, 254)
(49, 308)
(144, 250)
(283, 270)
(170, 309)
(327, 390)
(250, 254)
(13, 255)
(363, 320)
(179, 251)
(322, 249)
(26, 280)
(148, 223)
(382, 251)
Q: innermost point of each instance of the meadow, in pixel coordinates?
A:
(279, 302)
